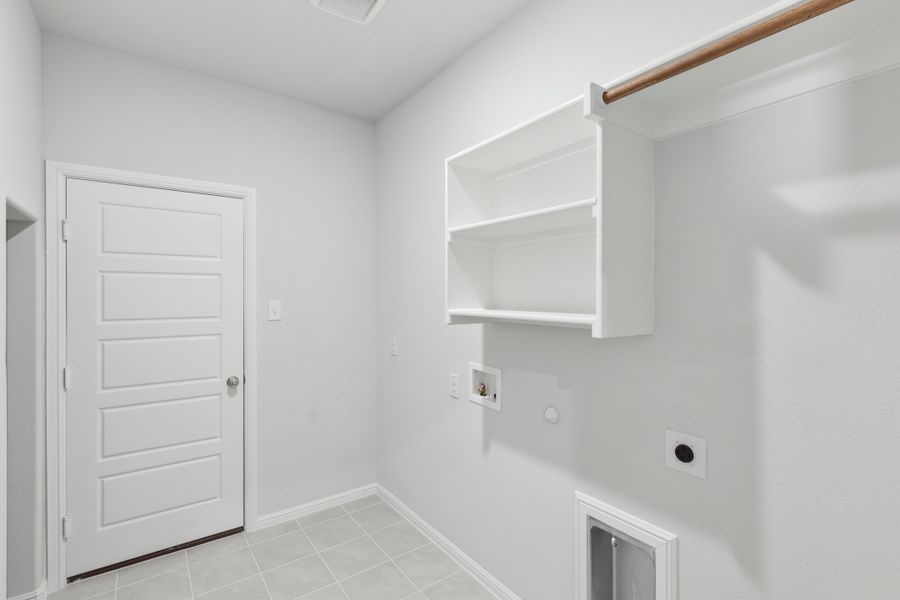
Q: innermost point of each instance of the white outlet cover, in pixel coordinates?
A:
(275, 310)
(697, 467)
(395, 350)
(454, 385)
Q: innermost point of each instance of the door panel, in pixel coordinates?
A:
(155, 326)
(128, 496)
(157, 231)
(154, 425)
(137, 296)
(153, 361)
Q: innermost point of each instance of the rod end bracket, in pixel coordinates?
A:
(594, 104)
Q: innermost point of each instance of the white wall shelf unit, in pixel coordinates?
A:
(551, 224)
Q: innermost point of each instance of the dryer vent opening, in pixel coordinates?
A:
(621, 568)
(622, 557)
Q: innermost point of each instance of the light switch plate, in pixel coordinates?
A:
(274, 310)
(696, 467)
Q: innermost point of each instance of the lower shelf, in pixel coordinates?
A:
(478, 315)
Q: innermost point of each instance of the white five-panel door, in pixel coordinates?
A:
(154, 429)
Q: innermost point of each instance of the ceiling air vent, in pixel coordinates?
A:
(360, 11)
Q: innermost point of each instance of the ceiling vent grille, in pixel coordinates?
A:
(360, 11)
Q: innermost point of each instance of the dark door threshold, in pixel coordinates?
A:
(157, 554)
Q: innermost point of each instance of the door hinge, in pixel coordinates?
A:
(66, 527)
(67, 377)
(66, 230)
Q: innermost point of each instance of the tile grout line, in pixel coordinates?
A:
(442, 580)
(319, 554)
(327, 566)
(321, 558)
(236, 581)
(259, 572)
(396, 566)
(345, 513)
(344, 543)
(460, 567)
(160, 574)
(390, 559)
(428, 542)
(190, 577)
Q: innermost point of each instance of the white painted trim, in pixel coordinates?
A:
(38, 594)
(664, 543)
(57, 173)
(4, 457)
(297, 512)
(467, 562)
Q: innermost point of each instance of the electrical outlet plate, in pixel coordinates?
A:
(274, 310)
(454, 385)
(491, 379)
(696, 467)
(395, 346)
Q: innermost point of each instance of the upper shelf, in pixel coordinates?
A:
(578, 320)
(562, 128)
(563, 216)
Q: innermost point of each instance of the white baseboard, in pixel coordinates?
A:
(38, 594)
(297, 512)
(480, 573)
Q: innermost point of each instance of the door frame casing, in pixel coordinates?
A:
(57, 173)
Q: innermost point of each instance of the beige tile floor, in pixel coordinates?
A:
(363, 550)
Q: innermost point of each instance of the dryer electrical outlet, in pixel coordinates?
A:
(686, 453)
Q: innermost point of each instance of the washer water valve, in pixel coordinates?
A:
(551, 415)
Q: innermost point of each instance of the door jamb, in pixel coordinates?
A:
(57, 173)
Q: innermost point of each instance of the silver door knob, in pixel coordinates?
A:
(233, 381)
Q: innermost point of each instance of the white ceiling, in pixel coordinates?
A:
(286, 46)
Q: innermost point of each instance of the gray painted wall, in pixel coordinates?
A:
(21, 181)
(25, 471)
(314, 171)
(777, 330)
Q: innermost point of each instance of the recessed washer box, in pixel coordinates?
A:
(485, 386)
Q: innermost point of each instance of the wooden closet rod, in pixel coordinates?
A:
(735, 41)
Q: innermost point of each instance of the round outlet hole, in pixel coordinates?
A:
(684, 453)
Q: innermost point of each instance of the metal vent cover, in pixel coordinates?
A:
(359, 11)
